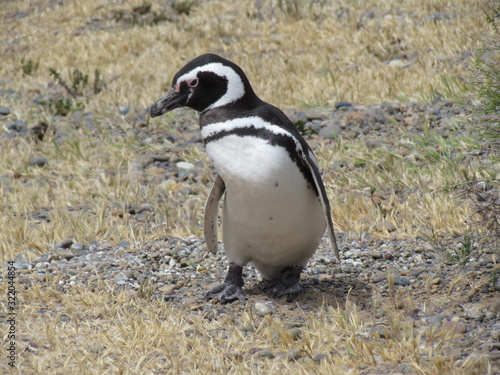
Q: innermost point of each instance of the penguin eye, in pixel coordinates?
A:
(193, 82)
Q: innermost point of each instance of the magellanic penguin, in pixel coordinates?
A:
(275, 208)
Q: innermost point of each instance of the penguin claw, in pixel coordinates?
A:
(226, 293)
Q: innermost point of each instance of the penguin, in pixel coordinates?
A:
(275, 208)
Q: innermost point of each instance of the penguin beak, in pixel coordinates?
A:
(169, 102)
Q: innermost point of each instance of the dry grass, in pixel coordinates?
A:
(339, 56)
(102, 332)
(304, 57)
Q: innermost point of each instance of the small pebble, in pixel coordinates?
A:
(185, 165)
(265, 353)
(320, 357)
(403, 281)
(386, 226)
(64, 244)
(294, 354)
(38, 161)
(295, 333)
(454, 327)
(342, 105)
(263, 309)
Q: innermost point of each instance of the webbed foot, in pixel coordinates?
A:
(231, 289)
(226, 293)
(287, 284)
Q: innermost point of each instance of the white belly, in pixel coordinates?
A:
(271, 217)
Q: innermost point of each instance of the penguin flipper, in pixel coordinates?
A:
(211, 214)
(311, 163)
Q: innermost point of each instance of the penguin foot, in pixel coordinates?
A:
(287, 284)
(231, 289)
(226, 293)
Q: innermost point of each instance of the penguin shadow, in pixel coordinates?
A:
(316, 293)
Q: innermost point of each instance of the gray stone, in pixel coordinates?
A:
(78, 246)
(294, 354)
(382, 332)
(385, 226)
(263, 309)
(403, 281)
(320, 357)
(66, 253)
(123, 109)
(315, 114)
(38, 161)
(437, 16)
(494, 355)
(4, 111)
(496, 335)
(374, 143)
(295, 333)
(339, 105)
(330, 132)
(19, 126)
(265, 353)
(64, 244)
(296, 117)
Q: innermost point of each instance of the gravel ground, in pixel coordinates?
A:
(461, 298)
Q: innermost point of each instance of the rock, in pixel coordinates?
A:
(168, 288)
(78, 246)
(339, 105)
(494, 355)
(437, 16)
(38, 161)
(263, 309)
(66, 253)
(4, 111)
(64, 244)
(473, 312)
(436, 281)
(385, 226)
(191, 303)
(295, 333)
(495, 307)
(315, 114)
(185, 165)
(454, 327)
(330, 132)
(375, 143)
(296, 117)
(403, 281)
(397, 63)
(320, 357)
(294, 354)
(123, 109)
(382, 332)
(120, 278)
(265, 353)
(495, 334)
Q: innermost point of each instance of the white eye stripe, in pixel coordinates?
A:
(235, 86)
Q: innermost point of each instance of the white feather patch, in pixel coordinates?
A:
(235, 87)
(243, 122)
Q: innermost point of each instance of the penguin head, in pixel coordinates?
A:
(207, 82)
